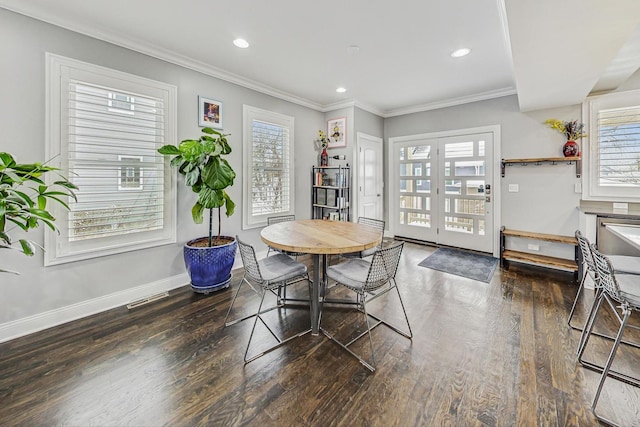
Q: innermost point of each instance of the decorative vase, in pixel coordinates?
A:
(210, 267)
(571, 149)
(324, 158)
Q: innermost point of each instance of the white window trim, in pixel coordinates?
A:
(55, 250)
(590, 107)
(250, 113)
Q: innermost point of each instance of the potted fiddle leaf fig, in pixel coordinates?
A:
(209, 259)
(23, 201)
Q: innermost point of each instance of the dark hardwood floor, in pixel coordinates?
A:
(483, 354)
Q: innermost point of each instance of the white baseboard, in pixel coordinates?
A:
(48, 319)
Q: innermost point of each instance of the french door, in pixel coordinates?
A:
(444, 190)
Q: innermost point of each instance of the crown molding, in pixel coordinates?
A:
(482, 96)
(337, 105)
(352, 103)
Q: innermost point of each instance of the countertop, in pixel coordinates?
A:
(606, 210)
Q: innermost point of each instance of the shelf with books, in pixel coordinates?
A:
(331, 192)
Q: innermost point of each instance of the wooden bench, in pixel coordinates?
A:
(507, 255)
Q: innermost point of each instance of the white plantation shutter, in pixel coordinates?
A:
(268, 166)
(113, 159)
(270, 191)
(612, 151)
(619, 147)
(107, 127)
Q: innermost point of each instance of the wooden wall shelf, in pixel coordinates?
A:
(541, 160)
(507, 255)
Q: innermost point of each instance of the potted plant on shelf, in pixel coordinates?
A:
(23, 201)
(572, 131)
(208, 260)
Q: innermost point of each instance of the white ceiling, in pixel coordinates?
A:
(551, 52)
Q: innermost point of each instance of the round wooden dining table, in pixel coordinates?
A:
(320, 238)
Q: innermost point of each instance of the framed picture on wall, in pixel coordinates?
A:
(209, 113)
(337, 132)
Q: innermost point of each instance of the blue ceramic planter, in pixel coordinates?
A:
(209, 268)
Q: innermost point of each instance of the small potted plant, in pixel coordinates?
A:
(208, 260)
(23, 201)
(572, 130)
(323, 143)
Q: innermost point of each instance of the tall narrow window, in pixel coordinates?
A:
(106, 127)
(613, 147)
(268, 166)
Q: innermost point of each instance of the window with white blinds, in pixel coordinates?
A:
(107, 127)
(613, 152)
(268, 167)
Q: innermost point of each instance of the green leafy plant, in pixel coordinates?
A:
(208, 174)
(23, 201)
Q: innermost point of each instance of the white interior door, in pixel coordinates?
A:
(443, 190)
(370, 173)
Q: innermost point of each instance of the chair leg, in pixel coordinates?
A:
(598, 334)
(591, 320)
(607, 367)
(372, 367)
(280, 340)
(575, 301)
(405, 313)
(264, 292)
(592, 311)
(233, 301)
(406, 318)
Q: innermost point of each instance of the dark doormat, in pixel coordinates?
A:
(462, 263)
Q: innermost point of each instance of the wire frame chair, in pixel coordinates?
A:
(620, 264)
(274, 272)
(370, 280)
(371, 222)
(622, 294)
(275, 220)
(282, 292)
(589, 270)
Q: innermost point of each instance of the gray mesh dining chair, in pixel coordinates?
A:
(267, 274)
(369, 280)
(622, 293)
(275, 220)
(371, 222)
(282, 291)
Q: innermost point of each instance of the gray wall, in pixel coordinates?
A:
(22, 111)
(368, 123)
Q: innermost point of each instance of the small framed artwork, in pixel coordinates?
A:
(209, 113)
(337, 132)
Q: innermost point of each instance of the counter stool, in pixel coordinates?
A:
(621, 265)
(622, 294)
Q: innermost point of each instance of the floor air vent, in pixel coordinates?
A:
(146, 300)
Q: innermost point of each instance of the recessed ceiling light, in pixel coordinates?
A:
(341, 90)
(241, 43)
(461, 52)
